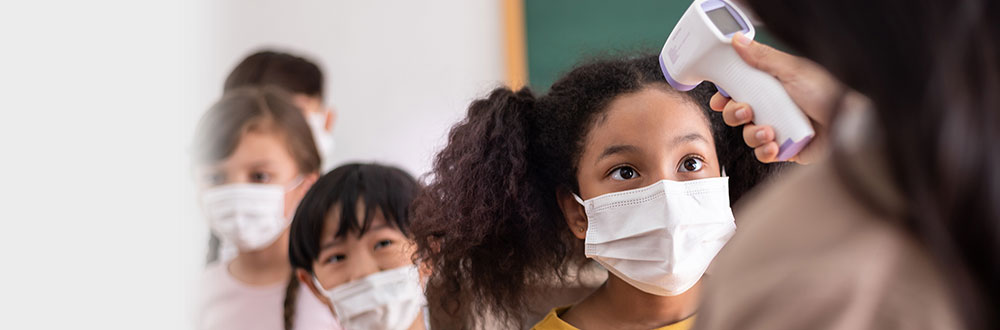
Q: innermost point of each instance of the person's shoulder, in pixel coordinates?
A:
(806, 244)
(311, 313)
(215, 275)
(685, 324)
(807, 211)
(553, 322)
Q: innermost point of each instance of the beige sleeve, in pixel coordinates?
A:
(811, 259)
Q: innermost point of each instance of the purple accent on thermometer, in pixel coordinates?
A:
(671, 81)
(790, 148)
(720, 90)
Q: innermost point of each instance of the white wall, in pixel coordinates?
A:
(400, 73)
(94, 96)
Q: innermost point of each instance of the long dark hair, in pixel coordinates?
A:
(932, 71)
(488, 223)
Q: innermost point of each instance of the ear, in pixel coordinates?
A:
(573, 212)
(307, 182)
(307, 279)
(331, 117)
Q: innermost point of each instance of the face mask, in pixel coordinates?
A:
(248, 215)
(390, 300)
(660, 238)
(323, 138)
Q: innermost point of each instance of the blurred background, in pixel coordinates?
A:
(100, 100)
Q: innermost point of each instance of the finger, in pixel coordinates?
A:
(736, 114)
(756, 136)
(763, 57)
(718, 102)
(767, 153)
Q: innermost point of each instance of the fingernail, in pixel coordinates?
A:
(761, 135)
(741, 114)
(741, 39)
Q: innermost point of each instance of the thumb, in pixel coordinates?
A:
(762, 56)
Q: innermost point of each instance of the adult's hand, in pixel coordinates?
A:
(810, 86)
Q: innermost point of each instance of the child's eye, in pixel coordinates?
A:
(691, 164)
(382, 244)
(624, 173)
(336, 258)
(260, 177)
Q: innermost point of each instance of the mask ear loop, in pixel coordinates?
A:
(325, 292)
(298, 180)
(724, 171)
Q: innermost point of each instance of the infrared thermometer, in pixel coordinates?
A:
(699, 49)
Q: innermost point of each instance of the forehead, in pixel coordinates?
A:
(259, 145)
(332, 223)
(649, 116)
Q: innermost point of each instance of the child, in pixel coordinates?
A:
(300, 77)
(350, 244)
(612, 164)
(304, 80)
(256, 159)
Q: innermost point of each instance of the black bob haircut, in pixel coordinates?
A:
(387, 188)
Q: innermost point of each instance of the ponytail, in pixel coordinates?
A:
(489, 224)
(485, 224)
(288, 305)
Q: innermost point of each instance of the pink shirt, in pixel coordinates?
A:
(227, 304)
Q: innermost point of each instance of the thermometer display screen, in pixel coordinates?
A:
(723, 20)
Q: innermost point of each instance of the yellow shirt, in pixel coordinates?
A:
(553, 322)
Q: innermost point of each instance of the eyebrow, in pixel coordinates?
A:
(337, 241)
(690, 137)
(616, 149)
(261, 163)
(623, 148)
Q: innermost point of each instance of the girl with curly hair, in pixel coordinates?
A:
(612, 164)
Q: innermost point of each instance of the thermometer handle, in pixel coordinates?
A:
(770, 103)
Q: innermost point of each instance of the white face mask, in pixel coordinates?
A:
(389, 300)
(660, 238)
(323, 137)
(249, 215)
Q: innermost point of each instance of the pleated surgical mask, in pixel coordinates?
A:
(660, 238)
(387, 300)
(249, 215)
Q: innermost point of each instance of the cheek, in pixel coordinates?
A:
(400, 255)
(290, 204)
(330, 278)
(716, 170)
(292, 199)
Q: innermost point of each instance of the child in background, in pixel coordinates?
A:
(350, 244)
(612, 164)
(255, 161)
(300, 77)
(304, 80)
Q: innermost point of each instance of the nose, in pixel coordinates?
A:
(664, 171)
(365, 264)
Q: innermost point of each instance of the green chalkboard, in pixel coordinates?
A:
(561, 33)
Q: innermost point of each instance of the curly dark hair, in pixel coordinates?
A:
(488, 223)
